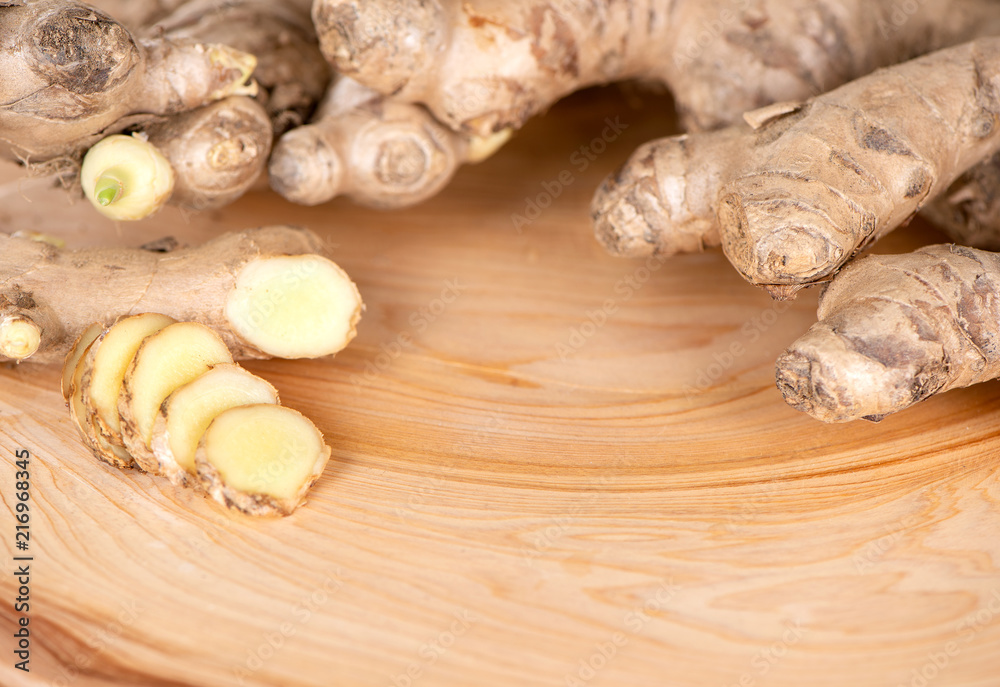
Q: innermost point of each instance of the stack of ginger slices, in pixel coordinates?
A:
(166, 397)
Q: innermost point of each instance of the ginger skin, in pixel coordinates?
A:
(486, 65)
(206, 284)
(291, 71)
(894, 330)
(378, 151)
(80, 75)
(220, 151)
(137, 15)
(201, 159)
(663, 200)
(217, 152)
(969, 211)
(824, 178)
(878, 149)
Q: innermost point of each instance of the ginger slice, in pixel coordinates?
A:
(104, 369)
(76, 353)
(261, 459)
(166, 360)
(189, 410)
(78, 411)
(301, 306)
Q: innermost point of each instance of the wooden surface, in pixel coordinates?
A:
(528, 486)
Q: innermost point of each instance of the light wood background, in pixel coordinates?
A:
(518, 497)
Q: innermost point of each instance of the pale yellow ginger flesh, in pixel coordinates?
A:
(302, 306)
(167, 360)
(77, 409)
(261, 459)
(107, 362)
(74, 356)
(188, 411)
(483, 147)
(19, 337)
(175, 381)
(83, 417)
(126, 177)
(226, 58)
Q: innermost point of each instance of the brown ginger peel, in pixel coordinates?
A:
(857, 162)
(77, 75)
(894, 330)
(482, 66)
(662, 201)
(217, 152)
(290, 69)
(376, 150)
(794, 199)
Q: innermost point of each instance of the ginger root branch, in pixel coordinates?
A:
(894, 330)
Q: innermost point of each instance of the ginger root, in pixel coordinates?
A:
(269, 292)
(969, 211)
(290, 69)
(857, 162)
(201, 159)
(376, 150)
(482, 66)
(219, 151)
(663, 200)
(261, 459)
(75, 75)
(814, 183)
(137, 15)
(894, 330)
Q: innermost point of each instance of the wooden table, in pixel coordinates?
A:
(550, 467)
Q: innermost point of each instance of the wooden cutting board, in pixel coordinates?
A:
(550, 467)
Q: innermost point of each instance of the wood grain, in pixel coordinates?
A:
(518, 497)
